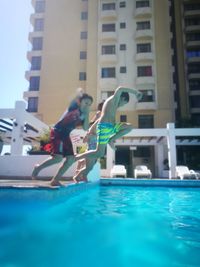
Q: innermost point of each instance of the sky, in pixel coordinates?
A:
(14, 29)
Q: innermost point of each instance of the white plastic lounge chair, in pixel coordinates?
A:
(183, 172)
(141, 171)
(118, 171)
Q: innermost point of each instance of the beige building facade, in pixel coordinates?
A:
(99, 45)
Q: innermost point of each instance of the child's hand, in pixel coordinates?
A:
(139, 95)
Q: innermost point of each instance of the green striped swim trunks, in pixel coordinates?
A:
(105, 130)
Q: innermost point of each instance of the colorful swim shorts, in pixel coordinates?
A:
(105, 130)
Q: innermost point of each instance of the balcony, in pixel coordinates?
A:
(195, 110)
(191, 13)
(31, 54)
(144, 34)
(30, 73)
(108, 14)
(192, 28)
(36, 16)
(108, 83)
(34, 34)
(28, 94)
(144, 56)
(194, 76)
(145, 80)
(142, 12)
(193, 43)
(108, 36)
(108, 58)
(146, 106)
(193, 59)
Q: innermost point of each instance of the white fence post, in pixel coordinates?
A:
(171, 145)
(18, 128)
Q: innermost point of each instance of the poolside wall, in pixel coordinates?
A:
(22, 166)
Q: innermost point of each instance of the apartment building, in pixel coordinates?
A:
(99, 45)
(185, 29)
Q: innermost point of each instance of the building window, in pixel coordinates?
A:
(145, 121)
(147, 96)
(106, 94)
(82, 76)
(109, 6)
(122, 4)
(123, 118)
(194, 68)
(39, 6)
(108, 72)
(37, 43)
(194, 84)
(34, 83)
(193, 53)
(122, 47)
(193, 36)
(195, 101)
(142, 4)
(143, 25)
(192, 22)
(32, 104)
(143, 71)
(122, 25)
(192, 6)
(144, 48)
(108, 27)
(39, 25)
(83, 55)
(83, 35)
(108, 49)
(123, 69)
(84, 15)
(36, 63)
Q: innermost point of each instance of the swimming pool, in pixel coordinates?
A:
(116, 226)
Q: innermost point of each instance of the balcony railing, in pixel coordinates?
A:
(108, 83)
(146, 106)
(108, 58)
(108, 14)
(144, 56)
(142, 12)
(145, 80)
(144, 34)
(108, 36)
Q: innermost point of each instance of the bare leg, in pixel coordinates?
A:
(66, 164)
(80, 165)
(93, 154)
(126, 128)
(50, 161)
(85, 170)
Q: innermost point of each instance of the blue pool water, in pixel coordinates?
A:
(103, 226)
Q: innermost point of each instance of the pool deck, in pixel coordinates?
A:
(44, 184)
(29, 183)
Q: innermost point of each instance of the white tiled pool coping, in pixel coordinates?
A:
(150, 182)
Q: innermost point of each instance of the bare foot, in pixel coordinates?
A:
(55, 183)
(76, 180)
(35, 172)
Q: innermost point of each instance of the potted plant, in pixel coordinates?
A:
(43, 147)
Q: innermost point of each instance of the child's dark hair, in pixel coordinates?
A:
(100, 105)
(125, 95)
(86, 96)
